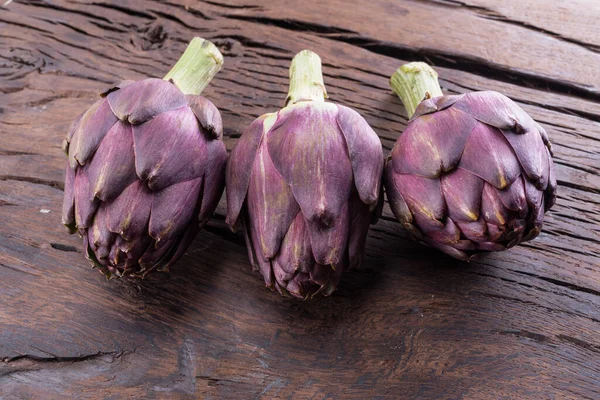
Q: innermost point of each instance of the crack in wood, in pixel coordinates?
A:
(21, 270)
(17, 153)
(26, 26)
(64, 247)
(125, 10)
(565, 163)
(563, 283)
(65, 359)
(74, 28)
(538, 337)
(30, 179)
(578, 186)
(233, 6)
(108, 27)
(541, 338)
(580, 343)
(564, 232)
(25, 363)
(251, 43)
(174, 19)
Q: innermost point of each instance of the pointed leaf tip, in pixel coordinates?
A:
(239, 167)
(366, 153)
(207, 114)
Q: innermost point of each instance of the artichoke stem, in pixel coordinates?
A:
(196, 67)
(306, 79)
(413, 83)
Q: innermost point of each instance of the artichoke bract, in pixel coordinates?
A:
(472, 173)
(304, 183)
(146, 167)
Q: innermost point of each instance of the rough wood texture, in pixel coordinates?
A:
(411, 324)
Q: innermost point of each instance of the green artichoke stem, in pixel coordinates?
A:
(196, 67)
(306, 79)
(413, 83)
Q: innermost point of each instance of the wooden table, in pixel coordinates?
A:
(412, 323)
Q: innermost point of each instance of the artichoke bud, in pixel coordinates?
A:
(302, 184)
(146, 167)
(471, 173)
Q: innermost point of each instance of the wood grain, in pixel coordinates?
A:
(411, 323)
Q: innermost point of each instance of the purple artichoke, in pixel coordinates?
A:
(471, 173)
(304, 183)
(146, 170)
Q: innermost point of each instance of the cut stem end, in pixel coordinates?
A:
(306, 79)
(196, 67)
(413, 83)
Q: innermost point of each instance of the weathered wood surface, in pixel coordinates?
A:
(411, 324)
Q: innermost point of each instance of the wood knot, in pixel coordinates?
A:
(228, 47)
(152, 37)
(19, 62)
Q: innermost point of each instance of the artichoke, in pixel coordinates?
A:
(146, 167)
(304, 183)
(471, 173)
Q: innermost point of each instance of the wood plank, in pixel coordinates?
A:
(410, 323)
(569, 20)
(441, 31)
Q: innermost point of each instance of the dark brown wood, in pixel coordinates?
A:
(412, 323)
